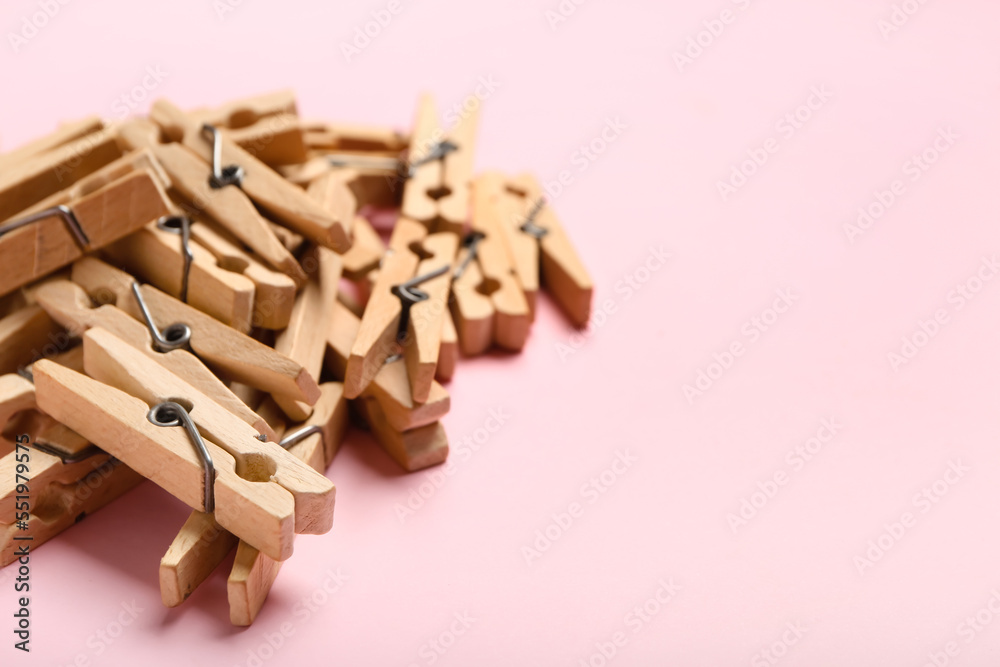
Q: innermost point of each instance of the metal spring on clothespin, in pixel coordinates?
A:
(222, 176)
(408, 296)
(180, 224)
(170, 413)
(173, 337)
(64, 212)
(529, 226)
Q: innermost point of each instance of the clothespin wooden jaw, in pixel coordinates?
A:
(191, 178)
(397, 322)
(229, 352)
(288, 203)
(36, 242)
(439, 170)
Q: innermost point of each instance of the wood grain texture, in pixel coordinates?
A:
(304, 340)
(156, 256)
(222, 348)
(391, 387)
(69, 305)
(198, 549)
(254, 573)
(274, 292)
(38, 249)
(24, 336)
(228, 206)
(64, 134)
(262, 514)
(108, 359)
(414, 449)
(286, 202)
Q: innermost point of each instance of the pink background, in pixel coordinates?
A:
(655, 185)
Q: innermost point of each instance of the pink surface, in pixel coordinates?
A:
(790, 580)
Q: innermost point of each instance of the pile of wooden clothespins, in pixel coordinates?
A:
(197, 298)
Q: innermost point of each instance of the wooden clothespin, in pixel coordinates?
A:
(234, 166)
(118, 365)
(42, 241)
(222, 348)
(259, 493)
(266, 126)
(540, 250)
(165, 254)
(69, 305)
(192, 178)
(63, 135)
(315, 442)
(409, 432)
(23, 336)
(406, 310)
(46, 173)
(439, 170)
(304, 340)
(489, 305)
(274, 292)
(70, 478)
(202, 543)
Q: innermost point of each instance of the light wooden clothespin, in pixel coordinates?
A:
(202, 543)
(42, 241)
(274, 292)
(489, 305)
(48, 172)
(304, 340)
(222, 348)
(439, 170)
(256, 490)
(70, 478)
(23, 335)
(267, 126)
(409, 432)
(69, 305)
(63, 135)
(233, 166)
(165, 254)
(192, 178)
(540, 251)
(315, 442)
(405, 313)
